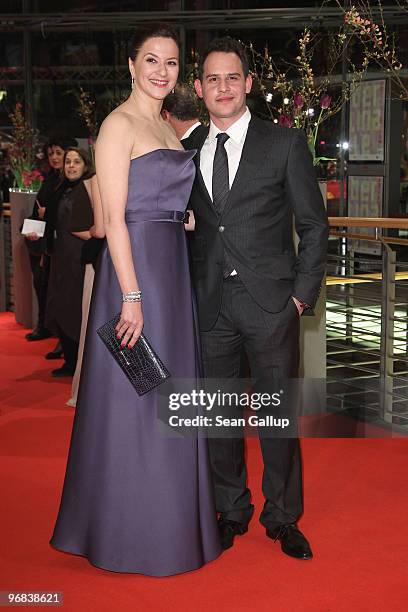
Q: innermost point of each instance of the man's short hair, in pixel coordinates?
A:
(226, 44)
(183, 104)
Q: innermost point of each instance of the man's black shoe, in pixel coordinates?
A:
(228, 530)
(293, 542)
(39, 333)
(62, 371)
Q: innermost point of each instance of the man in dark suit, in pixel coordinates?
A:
(252, 178)
(182, 110)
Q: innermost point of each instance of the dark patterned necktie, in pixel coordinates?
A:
(220, 188)
(220, 177)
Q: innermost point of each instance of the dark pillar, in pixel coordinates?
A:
(28, 70)
(393, 128)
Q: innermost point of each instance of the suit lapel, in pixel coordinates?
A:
(199, 177)
(250, 159)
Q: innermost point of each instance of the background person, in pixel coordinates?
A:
(87, 224)
(181, 109)
(64, 299)
(39, 261)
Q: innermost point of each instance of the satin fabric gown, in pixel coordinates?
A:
(134, 500)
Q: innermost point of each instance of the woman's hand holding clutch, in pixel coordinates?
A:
(130, 325)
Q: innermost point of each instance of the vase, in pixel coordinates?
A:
(25, 302)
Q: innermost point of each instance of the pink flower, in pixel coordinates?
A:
(26, 176)
(286, 121)
(29, 177)
(325, 101)
(298, 100)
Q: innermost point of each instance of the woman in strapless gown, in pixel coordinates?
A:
(134, 500)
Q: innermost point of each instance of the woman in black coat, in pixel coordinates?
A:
(64, 299)
(55, 150)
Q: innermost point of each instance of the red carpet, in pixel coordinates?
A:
(356, 504)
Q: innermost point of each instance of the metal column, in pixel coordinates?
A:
(28, 71)
(387, 334)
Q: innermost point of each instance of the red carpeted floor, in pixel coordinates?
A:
(356, 508)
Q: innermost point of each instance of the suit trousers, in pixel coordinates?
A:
(271, 344)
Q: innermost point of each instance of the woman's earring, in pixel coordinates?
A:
(133, 82)
(172, 91)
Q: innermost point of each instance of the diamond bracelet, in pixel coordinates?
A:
(132, 296)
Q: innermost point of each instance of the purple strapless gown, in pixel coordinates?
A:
(134, 500)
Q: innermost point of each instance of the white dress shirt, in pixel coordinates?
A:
(190, 129)
(237, 133)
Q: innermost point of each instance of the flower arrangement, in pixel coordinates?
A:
(378, 44)
(93, 115)
(296, 97)
(24, 144)
(32, 179)
(87, 110)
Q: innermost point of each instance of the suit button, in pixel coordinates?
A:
(221, 228)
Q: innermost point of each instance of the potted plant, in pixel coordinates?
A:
(24, 143)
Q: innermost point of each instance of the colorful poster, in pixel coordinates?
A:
(366, 126)
(365, 200)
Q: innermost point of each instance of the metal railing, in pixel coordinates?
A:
(367, 319)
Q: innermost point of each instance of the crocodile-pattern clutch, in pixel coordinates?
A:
(141, 365)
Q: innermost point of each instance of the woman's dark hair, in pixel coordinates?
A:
(150, 30)
(59, 141)
(89, 171)
(226, 44)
